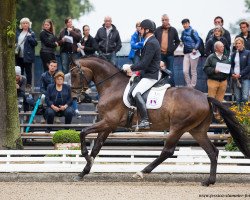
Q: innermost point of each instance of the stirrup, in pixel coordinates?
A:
(144, 124)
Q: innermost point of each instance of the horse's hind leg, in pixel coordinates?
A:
(168, 150)
(212, 152)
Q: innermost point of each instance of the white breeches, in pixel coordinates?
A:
(144, 85)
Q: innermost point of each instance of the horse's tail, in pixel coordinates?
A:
(238, 132)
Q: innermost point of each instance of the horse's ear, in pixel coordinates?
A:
(72, 62)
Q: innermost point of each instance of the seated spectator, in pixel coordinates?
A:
(217, 36)
(67, 80)
(136, 44)
(59, 101)
(48, 76)
(20, 87)
(87, 44)
(241, 72)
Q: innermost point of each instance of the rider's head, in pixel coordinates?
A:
(147, 26)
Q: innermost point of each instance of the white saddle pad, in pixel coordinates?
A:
(155, 96)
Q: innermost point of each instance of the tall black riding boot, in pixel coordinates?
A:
(141, 106)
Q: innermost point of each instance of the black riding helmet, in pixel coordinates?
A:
(148, 24)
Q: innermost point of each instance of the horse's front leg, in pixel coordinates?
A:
(98, 127)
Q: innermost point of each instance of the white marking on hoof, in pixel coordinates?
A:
(138, 175)
(91, 161)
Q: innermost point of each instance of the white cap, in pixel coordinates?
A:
(18, 70)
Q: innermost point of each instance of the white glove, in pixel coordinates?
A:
(126, 67)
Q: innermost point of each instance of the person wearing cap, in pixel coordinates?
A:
(20, 87)
(150, 68)
(26, 39)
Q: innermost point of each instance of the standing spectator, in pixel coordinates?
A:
(109, 41)
(217, 36)
(88, 43)
(245, 34)
(26, 40)
(217, 81)
(218, 21)
(241, 71)
(136, 44)
(191, 41)
(58, 99)
(48, 43)
(169, 41)
(68, 39)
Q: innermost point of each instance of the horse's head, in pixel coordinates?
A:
(80, 78)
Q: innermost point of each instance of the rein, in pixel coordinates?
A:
(82, 76)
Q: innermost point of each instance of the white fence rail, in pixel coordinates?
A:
(184, 161)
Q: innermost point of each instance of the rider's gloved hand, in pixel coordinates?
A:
(126, 67)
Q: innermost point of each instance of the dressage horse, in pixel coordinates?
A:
(183, 110)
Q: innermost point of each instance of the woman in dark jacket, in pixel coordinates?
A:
(217, 36)
(59, 101)
(26, 40)
(87, 43)
(48, 43)
(240, 60)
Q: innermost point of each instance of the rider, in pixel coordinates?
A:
(149, 66)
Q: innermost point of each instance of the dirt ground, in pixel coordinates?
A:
(120, 186)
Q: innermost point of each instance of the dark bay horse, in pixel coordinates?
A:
(184, 110)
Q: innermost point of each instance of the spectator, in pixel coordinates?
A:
(67, 80)
(217, 81)
(191, 41)
(48, 76)
(108, 40)
(68, 39)
(217, 36)
(169, 41)
(48, 43)
(136, 44)
(88, 43)
(20, 87)
(58, 99)
(218, 21)
(245, 34)
(26, 40)
(241, 71)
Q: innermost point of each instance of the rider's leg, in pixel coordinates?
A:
(142, 87)
(141, 106)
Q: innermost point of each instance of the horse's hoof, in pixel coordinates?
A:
(138, 175)
(207, 183)
(78, 178)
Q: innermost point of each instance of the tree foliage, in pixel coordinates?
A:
(57, 10)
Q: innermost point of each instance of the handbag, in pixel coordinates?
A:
(17, 49)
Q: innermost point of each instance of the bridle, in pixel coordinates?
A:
(83, 77)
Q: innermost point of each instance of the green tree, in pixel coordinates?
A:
(9, 126)
(57, 10)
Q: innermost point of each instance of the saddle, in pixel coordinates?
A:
(163, 81)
